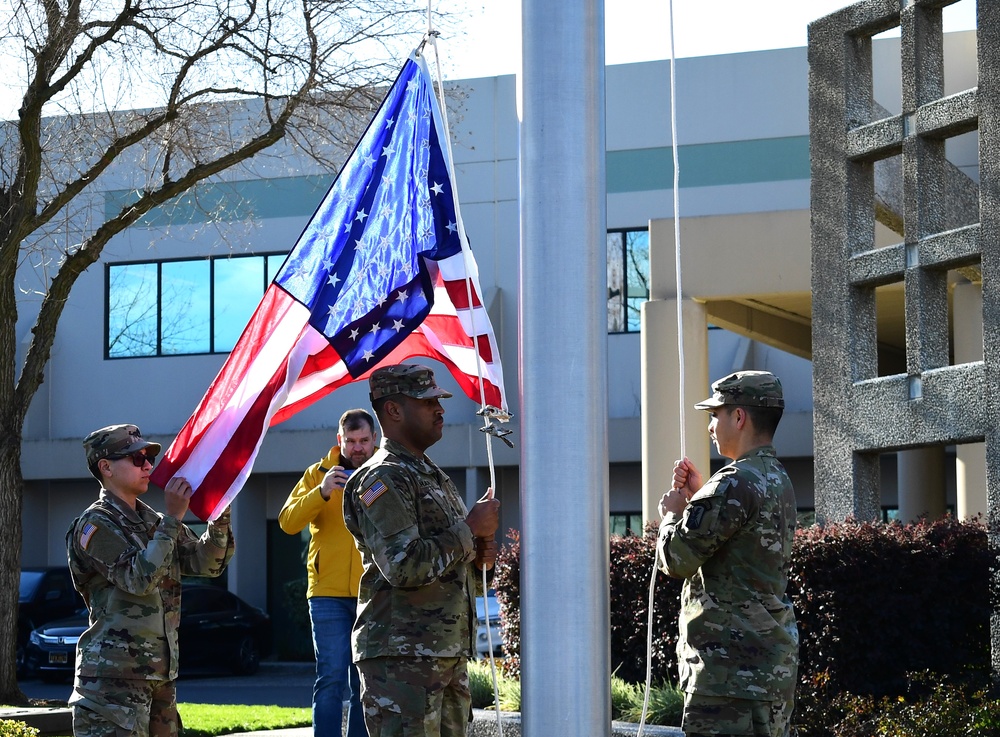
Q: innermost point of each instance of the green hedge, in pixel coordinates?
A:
(876, 603)
(631, 568)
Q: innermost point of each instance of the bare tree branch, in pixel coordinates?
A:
(153, 97)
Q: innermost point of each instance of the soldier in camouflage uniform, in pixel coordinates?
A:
(127, 562)
(423, 555)
(731, 540)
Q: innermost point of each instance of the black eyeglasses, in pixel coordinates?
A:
(138, 458)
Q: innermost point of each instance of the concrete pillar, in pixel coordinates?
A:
(921, 478)
(249, 566)
(970, 482)
(661, 403)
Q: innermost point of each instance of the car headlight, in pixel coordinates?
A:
(35, 638)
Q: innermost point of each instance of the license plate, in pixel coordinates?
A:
(58, 658)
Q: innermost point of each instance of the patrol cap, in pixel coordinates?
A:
(115, 440)
(413, 380)
(747, 389)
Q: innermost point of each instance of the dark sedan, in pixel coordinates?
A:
(45, 594)
(218, 631)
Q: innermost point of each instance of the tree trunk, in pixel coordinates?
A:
(11, 489)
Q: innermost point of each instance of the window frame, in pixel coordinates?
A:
(264, 256)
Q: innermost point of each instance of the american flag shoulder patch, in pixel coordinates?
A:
(86, 533)
(373, 492)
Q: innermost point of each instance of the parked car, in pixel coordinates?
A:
(218, 631)
(50, 652)
(44, 595)
(482, 640)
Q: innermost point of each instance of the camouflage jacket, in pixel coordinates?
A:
(732, 545)
(418, 586)
(127, 565)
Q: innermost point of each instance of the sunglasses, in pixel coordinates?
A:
(138, 458)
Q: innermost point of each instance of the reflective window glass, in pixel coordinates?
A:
(132, 310)
(637, 276)
(239, 285)
(628, 278)
(184, 307)
(616, 284)
(274, 265)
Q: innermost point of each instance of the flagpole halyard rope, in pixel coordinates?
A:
(680, 341)
(677, 231)
(487, 412)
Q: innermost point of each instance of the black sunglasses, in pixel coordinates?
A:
(138, 458)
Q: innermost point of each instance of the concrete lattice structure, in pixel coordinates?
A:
(863, 404)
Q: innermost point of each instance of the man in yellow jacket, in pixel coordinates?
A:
(334, 568)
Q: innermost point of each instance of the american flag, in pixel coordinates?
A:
(381, 273)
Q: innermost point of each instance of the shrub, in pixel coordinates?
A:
(13, 728)
(632, 560)
(931, 707)
(631, 567)
(510, 694)
(874, 602)
(623, 695)
(877, 601)
(666, 705)
(296, 604)
(507, 584)
(481, 684)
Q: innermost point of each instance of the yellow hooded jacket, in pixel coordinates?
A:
(333, 563)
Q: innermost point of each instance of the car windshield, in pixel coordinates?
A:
(29, 582)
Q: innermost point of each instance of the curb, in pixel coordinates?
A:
(484, 724)
(47, 720)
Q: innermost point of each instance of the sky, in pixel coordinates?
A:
(639, 30)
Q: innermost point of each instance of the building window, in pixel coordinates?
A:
(184, 306)
(628, 278)
(627, 523)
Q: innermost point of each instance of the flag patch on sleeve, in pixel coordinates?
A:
(373, 492)
(86, 533)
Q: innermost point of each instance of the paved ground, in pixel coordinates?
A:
(280, 684)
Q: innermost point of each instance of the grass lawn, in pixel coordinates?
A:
(214, 720)
(210, 720)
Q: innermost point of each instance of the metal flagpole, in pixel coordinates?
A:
(565, 651)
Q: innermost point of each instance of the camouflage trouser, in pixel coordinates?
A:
(124, 707)
(721, 717)
(415, 697)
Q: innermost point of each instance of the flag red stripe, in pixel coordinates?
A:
(460, 295)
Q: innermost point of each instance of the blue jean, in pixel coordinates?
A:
(336, 676)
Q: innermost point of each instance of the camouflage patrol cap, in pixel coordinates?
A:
(117, 440)
(413, 380)
(747, 389)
